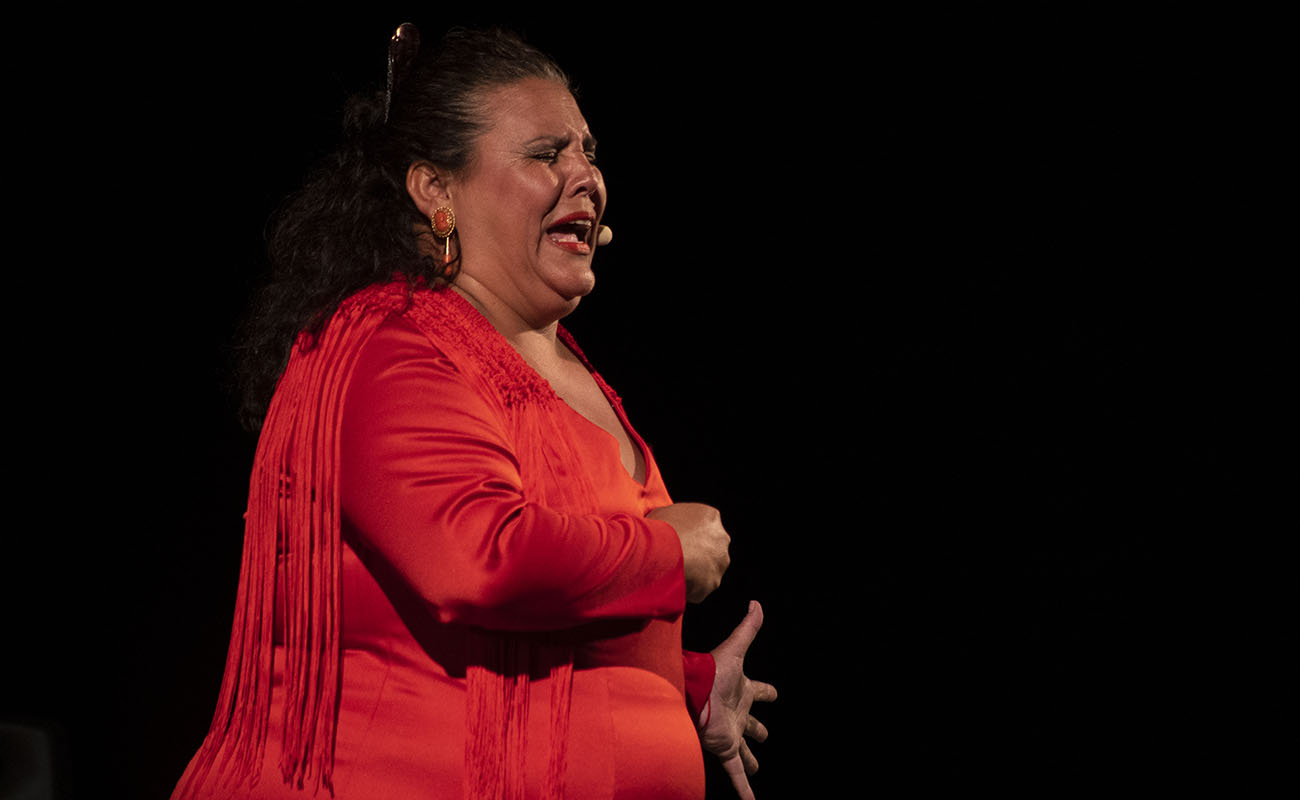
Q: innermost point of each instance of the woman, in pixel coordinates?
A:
(462, 573)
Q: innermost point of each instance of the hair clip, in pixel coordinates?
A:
(402, 49)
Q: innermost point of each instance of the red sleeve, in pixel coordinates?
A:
(430, 485)
(700, 669)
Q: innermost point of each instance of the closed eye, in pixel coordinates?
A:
(552, 148)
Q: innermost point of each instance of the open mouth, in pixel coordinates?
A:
(573, 233)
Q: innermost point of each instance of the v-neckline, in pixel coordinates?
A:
(614, 443)
(616, 405)
(566, 339)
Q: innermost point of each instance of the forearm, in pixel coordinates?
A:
(431, 485)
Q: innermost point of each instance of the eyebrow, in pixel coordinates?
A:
(588, 141)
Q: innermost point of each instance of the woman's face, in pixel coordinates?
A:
(528, 204)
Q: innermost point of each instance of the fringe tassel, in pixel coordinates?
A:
(532, 406)
(561, 699)
(293, 510)
(552, 455)
(499, 689)
(294, 507)
(496, 716)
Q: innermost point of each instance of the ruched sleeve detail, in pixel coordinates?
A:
(430, 484)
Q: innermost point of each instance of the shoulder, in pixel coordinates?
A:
(437, 337)
(398, 342)
(464, 336)
(405, 380)
(397, 321)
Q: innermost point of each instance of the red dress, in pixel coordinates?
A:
(462, 529)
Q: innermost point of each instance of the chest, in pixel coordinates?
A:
(576, 387)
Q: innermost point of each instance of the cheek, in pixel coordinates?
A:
(550, 191)
(533, 181)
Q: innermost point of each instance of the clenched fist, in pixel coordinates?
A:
(704, 545)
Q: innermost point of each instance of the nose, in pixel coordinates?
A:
(584, 179)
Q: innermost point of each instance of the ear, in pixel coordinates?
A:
(428, 187)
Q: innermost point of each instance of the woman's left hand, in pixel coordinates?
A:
(727, 721)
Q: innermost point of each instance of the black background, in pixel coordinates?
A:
(957, 315)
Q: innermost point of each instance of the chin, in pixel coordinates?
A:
(588, 284)
(575, 285)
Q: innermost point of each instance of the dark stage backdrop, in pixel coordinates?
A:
(943, 310)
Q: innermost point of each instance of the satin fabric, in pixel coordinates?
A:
(439, 539)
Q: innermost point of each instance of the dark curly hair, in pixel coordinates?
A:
(351, 224)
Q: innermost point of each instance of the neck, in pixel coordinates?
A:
(523, 332)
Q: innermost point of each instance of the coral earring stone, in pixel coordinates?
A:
(444, 222)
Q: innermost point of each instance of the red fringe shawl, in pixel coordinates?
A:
(294, 508)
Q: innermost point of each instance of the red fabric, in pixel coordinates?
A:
(700, 669)
(487, 530)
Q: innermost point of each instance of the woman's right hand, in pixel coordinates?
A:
(704, 545)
